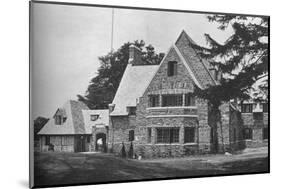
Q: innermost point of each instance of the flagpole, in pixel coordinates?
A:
(112, 30)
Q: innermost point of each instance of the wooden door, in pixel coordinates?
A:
(80, 143)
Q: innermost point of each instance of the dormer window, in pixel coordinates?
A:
(94, 117)
(132, 110)
(58, 120)
(172, 68)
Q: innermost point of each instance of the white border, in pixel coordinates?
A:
(14, 93)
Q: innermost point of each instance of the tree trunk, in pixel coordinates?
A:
(214, 121)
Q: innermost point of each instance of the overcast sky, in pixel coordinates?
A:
(67, 41)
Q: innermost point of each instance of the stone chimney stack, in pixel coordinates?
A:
(111, 107)
(135, 57)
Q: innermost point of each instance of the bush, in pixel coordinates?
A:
(131, 151)
(123, 151)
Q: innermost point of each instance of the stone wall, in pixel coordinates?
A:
(236, 128)
(257, 130)
(204, 128)
(165, 150)
(153, 118)
(230, 132)
(226, 128)
(119, 128)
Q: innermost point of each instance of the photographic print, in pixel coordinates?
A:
(122, 94)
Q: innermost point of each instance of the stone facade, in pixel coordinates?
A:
(180, 129)
(257, 128)
(151, 118)
(119, 127)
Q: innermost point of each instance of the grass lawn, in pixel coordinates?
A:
(75, 168)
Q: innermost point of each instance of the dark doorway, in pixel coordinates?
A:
(214, 140)
(101, 142)
(80, 143)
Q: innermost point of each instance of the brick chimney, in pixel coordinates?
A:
(135, 57)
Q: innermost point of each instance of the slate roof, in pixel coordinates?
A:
(74, 123)
(198, 65)
(102, 120)
(133, 83)
(137, 78)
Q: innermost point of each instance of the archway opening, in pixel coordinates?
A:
(101, 142)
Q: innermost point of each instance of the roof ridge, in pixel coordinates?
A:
(200, 61)
(190, 40)
(196, 53)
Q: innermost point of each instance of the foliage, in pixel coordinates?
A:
(242, 62)
(38, 124)
(123, 151)
(103, 87)
(242, 59)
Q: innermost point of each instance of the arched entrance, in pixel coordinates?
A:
(101, 142)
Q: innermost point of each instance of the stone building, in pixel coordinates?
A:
(155, 111)
(255, 123)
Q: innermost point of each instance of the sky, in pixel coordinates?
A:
(66, 42)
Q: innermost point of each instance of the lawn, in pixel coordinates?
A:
(73, 168)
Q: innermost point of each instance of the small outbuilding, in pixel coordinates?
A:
(71, 128)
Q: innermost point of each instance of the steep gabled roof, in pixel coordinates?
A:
(74, 123)
(133, 83)
(61, 112)
(77, 116)
(194, 61)
(103, 118)
(136, 79)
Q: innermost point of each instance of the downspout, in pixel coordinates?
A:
(197, 134)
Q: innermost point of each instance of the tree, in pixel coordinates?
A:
(123, 151)
(103, 87)
(38, 124)
(242, 60)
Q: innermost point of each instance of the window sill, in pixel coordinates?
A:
(170, 116)
(172, 107)
(173, 144)
(190, 143)
(165, 144)
(248, 140)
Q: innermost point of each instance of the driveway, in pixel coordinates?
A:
(74, 168)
